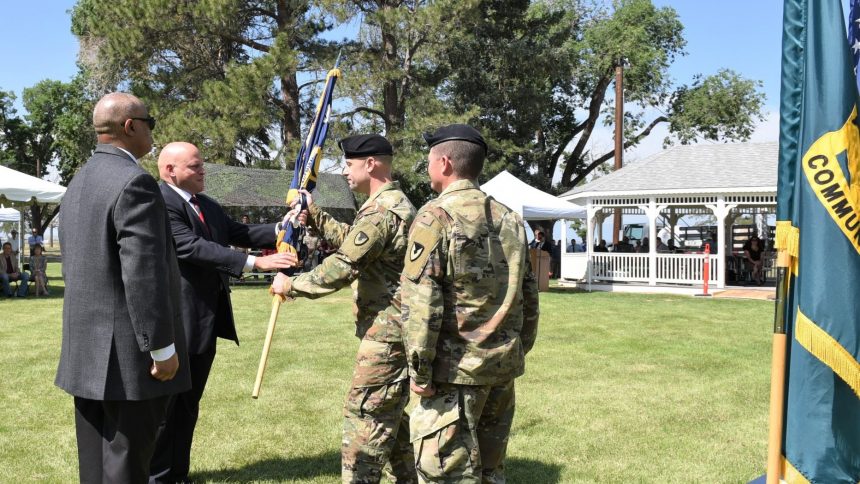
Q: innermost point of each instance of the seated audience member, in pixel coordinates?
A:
(645, 245)
(601, 247)
(671, 246)
(752, 255)
(38, 268)
(35, 240)
(9, 272)
(623, 246)
(661, 247)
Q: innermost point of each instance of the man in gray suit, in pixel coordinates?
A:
(123, 349)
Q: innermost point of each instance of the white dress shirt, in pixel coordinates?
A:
(249, 263)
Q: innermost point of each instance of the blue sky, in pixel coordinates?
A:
(36, 44)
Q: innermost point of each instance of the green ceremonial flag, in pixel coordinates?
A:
(818, 224)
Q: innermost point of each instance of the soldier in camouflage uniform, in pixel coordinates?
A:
(470, 313)
(370, 253)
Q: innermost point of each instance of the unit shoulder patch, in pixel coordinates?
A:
(424, 236)
(360, 240)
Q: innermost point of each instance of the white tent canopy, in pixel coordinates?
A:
(20, 187)
(9, 215)
(530, 202)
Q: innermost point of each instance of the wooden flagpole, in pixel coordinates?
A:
(267, 345)
(777, 370)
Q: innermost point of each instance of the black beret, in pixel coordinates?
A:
(365, 145)
(462, 132)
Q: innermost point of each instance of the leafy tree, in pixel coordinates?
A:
(543, 76)
(57, 130)
(220, 73)
(393, 70)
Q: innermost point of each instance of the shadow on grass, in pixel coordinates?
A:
(328, 464)
(566, 290)
(277, 469)
(532, 471)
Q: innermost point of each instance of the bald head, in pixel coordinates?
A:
(113, 109)
(121, 119)
(181, 165)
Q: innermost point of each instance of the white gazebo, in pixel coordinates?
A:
(722, 180)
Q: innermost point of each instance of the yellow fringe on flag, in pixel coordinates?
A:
(791, 475)
(787, 238)
(828, 350)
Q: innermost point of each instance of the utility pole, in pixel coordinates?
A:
(619, 135)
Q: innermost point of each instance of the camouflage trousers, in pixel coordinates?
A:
(376, 432)
(460, 434)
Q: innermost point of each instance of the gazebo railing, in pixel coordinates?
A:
(619, 267)
(686, 268)
(670, 268)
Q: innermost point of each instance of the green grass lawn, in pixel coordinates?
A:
(619, 388)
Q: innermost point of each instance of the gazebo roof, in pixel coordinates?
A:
(253, 187)
(736, 168)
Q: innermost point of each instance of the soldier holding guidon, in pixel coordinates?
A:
(371, 253)
(470, 314)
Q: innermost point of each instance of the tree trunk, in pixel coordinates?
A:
(291, 129)
(391, 105)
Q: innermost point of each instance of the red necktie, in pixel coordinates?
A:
(196, 204)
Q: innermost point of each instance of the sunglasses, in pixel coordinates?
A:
(150, 121)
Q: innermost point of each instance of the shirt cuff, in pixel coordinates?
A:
(163, 353)
(249, 264)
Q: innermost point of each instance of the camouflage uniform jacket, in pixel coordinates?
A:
(469, 297)
(370, 252)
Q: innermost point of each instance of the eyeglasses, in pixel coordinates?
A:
(150, 121)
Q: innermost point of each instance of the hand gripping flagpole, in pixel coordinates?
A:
(304, 178)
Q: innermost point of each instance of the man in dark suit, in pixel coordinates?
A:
(123, 350)
(203, 234)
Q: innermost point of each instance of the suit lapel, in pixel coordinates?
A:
(193, 221)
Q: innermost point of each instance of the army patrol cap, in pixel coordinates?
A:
(452, 132)
(363, 145)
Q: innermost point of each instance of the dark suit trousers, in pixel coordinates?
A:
(172, 458)
(116, 438)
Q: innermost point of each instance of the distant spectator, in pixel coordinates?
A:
(9, 272)
(246, 219)
(712, 243)
(752, 255)
(623, 246)
(540, 242)
(671, 246)
(16, 245)
(38, 269)
(645, 247)
(601, 246)
(312, 241)
(35, 240)
(555, 261)
(662, 248)
(572, 247)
